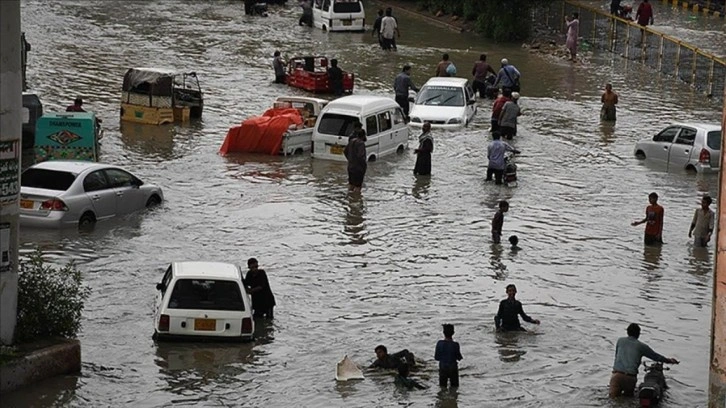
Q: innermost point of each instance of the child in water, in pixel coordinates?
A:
(448, 355)
(513, 240)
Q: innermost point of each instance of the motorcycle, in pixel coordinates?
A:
(651, 390)
(510, 170)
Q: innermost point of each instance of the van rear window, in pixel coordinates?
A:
(349, 6)
(47, 179)
(336, 125)
(713, 140)
(206, 294)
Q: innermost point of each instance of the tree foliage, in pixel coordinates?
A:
(50, 299)
(508, 20)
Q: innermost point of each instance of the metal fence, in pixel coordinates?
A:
(661, 52)
(716, 7)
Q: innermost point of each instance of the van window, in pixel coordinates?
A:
(371, 125)
(336, 124)
(398, 117)
(384, 120)
(346, 6)
(686, 137)
(206, 294)
(326, 5)
(318, 4)
(713, 140)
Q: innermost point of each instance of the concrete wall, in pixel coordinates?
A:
(47, 362)
(717, 390)
(11, 103)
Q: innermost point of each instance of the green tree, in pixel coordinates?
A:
(50, 299)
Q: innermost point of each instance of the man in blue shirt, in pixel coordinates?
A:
(508, 77)
(495, 154)
(628, 352)
(448, 354)
(401, 85)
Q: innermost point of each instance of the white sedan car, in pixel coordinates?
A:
(688, 146)
(60, 193)
(203, 301)
(445, 102)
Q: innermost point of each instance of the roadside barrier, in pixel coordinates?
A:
(715, 7)
(661, 52)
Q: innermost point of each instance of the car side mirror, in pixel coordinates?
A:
(159, 286)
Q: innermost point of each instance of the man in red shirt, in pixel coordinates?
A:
(505, 97)
(76, 107)
(644, 15)
(654, 219)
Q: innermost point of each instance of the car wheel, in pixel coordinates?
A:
(372, 158)
(400, 149)
(87, 220)
(640, 155)
(691, 169)
(153, 201)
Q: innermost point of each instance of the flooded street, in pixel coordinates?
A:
(388, 267)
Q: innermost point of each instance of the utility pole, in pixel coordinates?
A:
(11, 102)
(717, 389)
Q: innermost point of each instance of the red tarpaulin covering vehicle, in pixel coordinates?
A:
(311, 74)
(262, 134)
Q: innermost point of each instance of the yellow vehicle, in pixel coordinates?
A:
(156, 96)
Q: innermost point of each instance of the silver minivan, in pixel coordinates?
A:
(689, 146)
(381, 117)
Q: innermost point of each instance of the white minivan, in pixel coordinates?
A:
(339, 15)
(382, 120)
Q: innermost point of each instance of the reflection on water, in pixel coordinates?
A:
(508, 346)
(54, 392)
(147, 140)
(447, 398)
(355, 223)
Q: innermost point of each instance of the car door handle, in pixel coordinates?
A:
(665, 147)
(96, 197)
(685, 151)
(119, 193)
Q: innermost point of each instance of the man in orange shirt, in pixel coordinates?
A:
(654, 221)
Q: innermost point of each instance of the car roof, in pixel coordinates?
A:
(447, 81)
(73, 166)
(363, 104)
(301, 99)
(708, 127)
(200, 269)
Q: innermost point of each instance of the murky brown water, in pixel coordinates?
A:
(390, 267)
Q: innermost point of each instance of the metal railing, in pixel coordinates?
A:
(659, 51)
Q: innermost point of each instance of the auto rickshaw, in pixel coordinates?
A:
(156, 96)
(67, 136)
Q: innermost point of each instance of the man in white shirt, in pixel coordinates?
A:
(389, 29)
(702, 224)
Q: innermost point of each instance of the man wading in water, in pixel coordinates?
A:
(654, 219)
(507, 318)
(423, 153)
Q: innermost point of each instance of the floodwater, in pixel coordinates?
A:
(389, 266)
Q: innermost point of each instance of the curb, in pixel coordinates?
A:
(63, 358)
(697, 7)
(429, 19)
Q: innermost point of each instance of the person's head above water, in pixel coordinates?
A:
(511, 291)
(381, 351)
(653, 198)
(504, 206)
(513, 240)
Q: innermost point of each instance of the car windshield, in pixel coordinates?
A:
(440, 96)
(206, 294)
(346, 6)
(335, 124)
(47, 179)
(713, 140)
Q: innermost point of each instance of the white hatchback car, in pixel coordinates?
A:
(59, 193)
(203, 301)
(689, 146)
(445, 102)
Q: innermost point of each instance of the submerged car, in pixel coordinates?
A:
(445, 102)
(689, 146)
(60, 193)
(203, 301)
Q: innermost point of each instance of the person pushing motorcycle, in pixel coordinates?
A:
(628, 353)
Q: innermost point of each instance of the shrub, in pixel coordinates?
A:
(50, 299)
